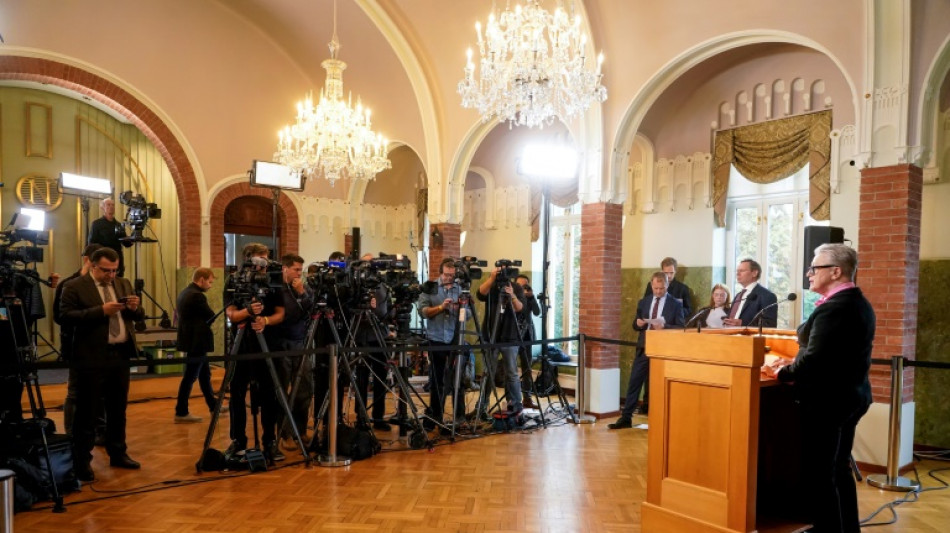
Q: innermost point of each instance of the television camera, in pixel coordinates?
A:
(257, 278)
(139, 212)
(14, 260)
(508, 271)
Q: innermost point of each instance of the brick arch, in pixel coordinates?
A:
(286, 210)
(82, 81)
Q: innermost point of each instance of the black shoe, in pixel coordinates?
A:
(272, 451)
(621, 423)
(236, 448)
(84, 472)
(124, 461)
(528, 404)
(100, 440)
(478, 416)
(382, 426)
(428, 424)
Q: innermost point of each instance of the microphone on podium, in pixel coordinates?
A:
(790, 298)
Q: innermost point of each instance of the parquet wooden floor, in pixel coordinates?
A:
(566, 478)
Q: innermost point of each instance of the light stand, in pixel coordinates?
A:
(277, 178)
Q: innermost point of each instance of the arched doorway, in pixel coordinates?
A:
(251, 212)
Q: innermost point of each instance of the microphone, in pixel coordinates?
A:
(694, 317)
(758, 316)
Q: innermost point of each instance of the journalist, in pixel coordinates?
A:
(253, 315)
(289, 333)
(109, 232)
(504, 300)
(196, 339)
(526, 321)
(441, 309)
(101, 308)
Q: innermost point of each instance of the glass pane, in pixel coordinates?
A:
(557, 250)
(575, 266)
(780, 261)
(746, 234)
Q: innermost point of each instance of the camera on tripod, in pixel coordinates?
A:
(139, 211)
(14, 259)
(324, 277)
(258, 277)
(468, 268)
(404, 288)
(507, 271)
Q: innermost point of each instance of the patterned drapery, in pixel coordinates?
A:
(774, 150)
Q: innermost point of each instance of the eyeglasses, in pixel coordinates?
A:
(106, 270)
(813, 268)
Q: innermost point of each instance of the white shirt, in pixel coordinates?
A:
(745, 296)
(122, 336)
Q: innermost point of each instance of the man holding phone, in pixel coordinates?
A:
(101, 309)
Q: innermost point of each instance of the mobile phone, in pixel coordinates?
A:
(123, 300)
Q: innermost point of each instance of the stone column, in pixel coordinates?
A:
(601, 246)
(888, 269)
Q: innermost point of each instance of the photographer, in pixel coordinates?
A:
(527, 334)
(441, 311)
(363, 336)
(196, 339)
(106, 231)
(254, 315)
(101, 308)
(504, 300)
(289, 333)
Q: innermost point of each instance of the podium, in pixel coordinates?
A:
(703, 458)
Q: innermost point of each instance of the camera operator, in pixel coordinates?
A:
(196, 339)
(365, 337)
(332, 318)
(101, 308)
(238, 312)
(527, 334)
(289, 333)
(504, 300)
(66, 333)
(441, 311)
(106, 231)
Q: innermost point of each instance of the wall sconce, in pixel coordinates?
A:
(436, 237)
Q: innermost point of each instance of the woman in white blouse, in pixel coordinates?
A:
(719, 306)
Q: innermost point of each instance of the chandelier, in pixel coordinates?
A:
(332, 138)
(532, 68)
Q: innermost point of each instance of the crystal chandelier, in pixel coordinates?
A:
(532, 68)
(333, 139)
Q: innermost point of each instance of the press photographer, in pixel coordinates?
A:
(369, 297)
(109, 232)
(252, 296)
(504, 300)
(441, 304)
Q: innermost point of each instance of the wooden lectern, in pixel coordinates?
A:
(703, 458)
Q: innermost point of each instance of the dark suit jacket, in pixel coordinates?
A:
(194, 332)
(758, 299)
(672, 313)
(81, 308)
(830, 371)
(677, 290)
(65, 332)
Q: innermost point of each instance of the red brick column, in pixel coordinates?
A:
(348, 244)
(889, 265)
(601, 246)
(451, 246)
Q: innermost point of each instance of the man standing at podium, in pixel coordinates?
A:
(830, 376)
(656, 311)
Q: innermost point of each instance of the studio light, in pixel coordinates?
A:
(86, 186)
(37, 218)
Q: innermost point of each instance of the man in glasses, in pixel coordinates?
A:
(101, 309)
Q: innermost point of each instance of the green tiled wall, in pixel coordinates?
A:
(932, 385)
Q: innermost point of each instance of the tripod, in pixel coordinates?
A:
(136, 239)
(504, 304)
(229, 376)
(17, 334)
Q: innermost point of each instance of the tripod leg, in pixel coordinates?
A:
(282, 398)
(225, 383)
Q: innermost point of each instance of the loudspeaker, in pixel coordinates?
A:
(815, 236)
(356, 252)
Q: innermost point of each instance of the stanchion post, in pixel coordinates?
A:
(332, 459)
(892, 480)
(581, 391)
(6, 500)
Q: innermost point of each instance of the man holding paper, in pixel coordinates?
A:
(656, 311)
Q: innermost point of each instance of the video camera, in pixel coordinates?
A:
(468, 268)
(507, 272)
(139, 211)
(324, 278)
(257, 278)
(14, 259)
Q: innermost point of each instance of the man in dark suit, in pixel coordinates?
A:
(659, 305)
(751, 299)
(674, 287)
(106, 231)
(830, 376)
(101, 308)
(196, 340)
